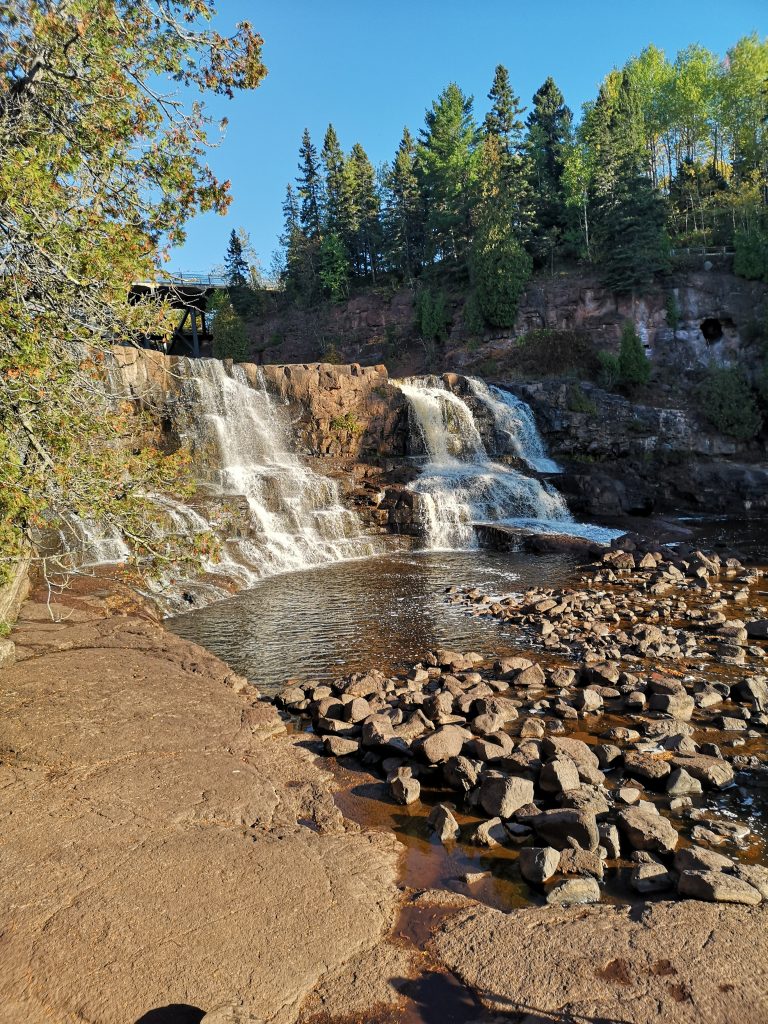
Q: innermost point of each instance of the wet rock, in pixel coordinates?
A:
(564, 828)
(502, 795)
(443, 823)
(538, 863)
(680, 783)
(559, 776)
(444, 743)
(646, 830)
(575, 890)
(718, 887)
(404, 788)
(490, 833)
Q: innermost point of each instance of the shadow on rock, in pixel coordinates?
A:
(176, 1013)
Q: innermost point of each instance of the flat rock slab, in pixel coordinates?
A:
(687, 963)
(164, 841)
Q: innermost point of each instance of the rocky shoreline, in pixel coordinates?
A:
(171, 850)
(607, 751)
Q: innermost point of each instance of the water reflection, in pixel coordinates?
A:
(351, 616)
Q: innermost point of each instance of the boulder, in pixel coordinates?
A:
(646, 766)
(559, 776)
(538, 863)
(340, 746)
(646, 830)
(443, 744)
(581, 862)
(649, 878)
(564, 828)
(713, 772)
(680, 783)
(443, 823)
(718, 887)
(696, 858)
(502, 795)
(575, 890)
(490, 833)
(404, 788)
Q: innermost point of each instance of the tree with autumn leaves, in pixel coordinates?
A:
(103, 136)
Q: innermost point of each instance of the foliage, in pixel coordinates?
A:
(549, 352)
(728, 403)
(96, 164)
(633, 364)
(579, 402)
(609, 373)
(334, 273)
(5, 628)
(230, 339)
(472, 316)
(235, 264)
(673, 312)
(751, 254)
(432, 316)
(500, 269)
(347, 422)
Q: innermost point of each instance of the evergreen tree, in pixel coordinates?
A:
(549, 133)
(444, 166)
(230, 340)
(364, 208)
(237, 270)
(334, 205)
(309, 185)
(628, 217)
(404, 211)
(633, 365)
(334, 267)
(300, 275)
(503, 128)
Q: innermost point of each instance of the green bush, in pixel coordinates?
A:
(474, 322)
(230, 340)
(432, 317)
(334, 267)
(551, 352)
(634, 366)
(608, 374)
(673, 312)
(579, 402)
(500, 269)
(346, 422)
(728, 403)
(751, 254)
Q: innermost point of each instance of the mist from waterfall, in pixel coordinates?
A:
(461, 485)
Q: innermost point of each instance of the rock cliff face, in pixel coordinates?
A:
(691, 318)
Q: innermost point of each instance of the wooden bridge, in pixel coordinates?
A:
(190, 294)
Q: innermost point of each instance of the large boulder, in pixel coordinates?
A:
(646, 829)
(502, 795)
(566, 828)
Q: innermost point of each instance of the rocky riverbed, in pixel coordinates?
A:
(628, 740)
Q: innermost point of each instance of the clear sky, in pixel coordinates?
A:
(372, 67)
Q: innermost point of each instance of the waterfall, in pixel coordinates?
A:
(515, 425)
(240, 439)
(461, 485)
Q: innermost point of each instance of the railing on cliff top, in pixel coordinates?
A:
(704, 250)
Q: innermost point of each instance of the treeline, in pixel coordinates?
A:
(670, 154)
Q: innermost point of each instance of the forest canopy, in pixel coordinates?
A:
(671, 154)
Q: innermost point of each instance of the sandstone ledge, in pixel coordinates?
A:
(687, 963)
(163, 841)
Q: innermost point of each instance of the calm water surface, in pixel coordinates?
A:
(351, 616)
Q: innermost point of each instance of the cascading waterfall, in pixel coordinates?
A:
(515, 425)
(240, 442)
(461, 485)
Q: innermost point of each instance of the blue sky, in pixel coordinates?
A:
(371, 68)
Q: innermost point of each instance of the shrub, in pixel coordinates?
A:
(346, 422)
(728, 403)
(474, 323)
(230, 340)
(500, 269)
(608, 374)
(579, 402)
(673, 312)
(432, 317)
(634, 366)
(751, 254)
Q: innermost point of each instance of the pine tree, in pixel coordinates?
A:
(404, 211)
(549, 132)
(334, 202)
(628, 217)
(633, 364)
(503, 128)
(309, 185)
(230, 339)
(444, 164)
(364, 209)
(300, 275)
(237, 270)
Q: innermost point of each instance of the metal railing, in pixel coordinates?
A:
(704, 250)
